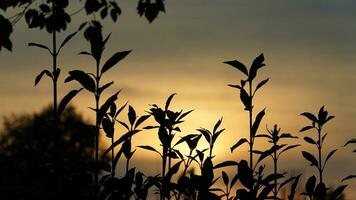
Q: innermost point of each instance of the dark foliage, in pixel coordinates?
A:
(27, 157)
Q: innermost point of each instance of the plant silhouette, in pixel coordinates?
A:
(53, 16)
(277, 149)
(314, 190)
(91, 82)
(247, 96)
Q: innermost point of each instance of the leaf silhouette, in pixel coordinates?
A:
(310, 158)
(262, 83)
(257, 122)
(117, 57)
(329, 156)
(67, 39)
(39, 76)
(310, 116)
(83, 78)
(149, 148)
(236, 64)
(39, 46)
(132, 115)
(66, 99)
(256, 64)
(239, 143)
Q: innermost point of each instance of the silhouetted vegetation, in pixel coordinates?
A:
(55, 154)
(27, 156)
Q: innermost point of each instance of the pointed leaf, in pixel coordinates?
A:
(66, 99)
(239, 143)
(66, 40)
(259, 85)
(39, 76)
(168, 102)
(149, 148)
(83, 78)
(308, 156)
(257, 122)
(132, 115)
(117, 57)
(329, 156)
(236, 64)
(310, 116)
(39, 46)
(141, 120)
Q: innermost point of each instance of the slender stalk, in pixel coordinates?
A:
(250, 117)
(112, 158)
(320, 158)
(127, 164)
(275, 173)
(164, 160)
(97, 126)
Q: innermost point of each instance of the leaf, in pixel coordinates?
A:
(168, 102)
(206, 133)
(310, 185)
(306, 128)
(132, 115)
(217, 125)
(103, 109)
(117, 57)
(338, 191)
(85, 53)
(246, 99)
(225, 178)
(256, 64)
(83, 78)
(352, 141)
(239, 143)
(66, 40)
(39, 76)
(228, 163)
(66, 99)
(235, 86)
(349, 177)
(104, 87)
(123, 138)
(310, 116)
(309, 140)
(39, 46)
(329, 156)
(173, 170)
(108, 127)
(141, 120)
(288, 148)
(257, 122)
(293, 189)
(259, 85)
(236, 64)
(308, 156)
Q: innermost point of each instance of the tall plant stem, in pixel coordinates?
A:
(112, 158)
(275, 173)
(164, 160)
(250, 118)
(320, 158)
(97, 127)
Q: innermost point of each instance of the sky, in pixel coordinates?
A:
(309, 49)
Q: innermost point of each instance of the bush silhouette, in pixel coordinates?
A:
(27, 156)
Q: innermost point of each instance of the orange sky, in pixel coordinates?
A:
(309, 49)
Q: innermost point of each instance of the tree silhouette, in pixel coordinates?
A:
(27, 161)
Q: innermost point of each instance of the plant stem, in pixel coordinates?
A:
(97, 127)
(250, 118)
(127, 164)
(275, 173)
(164, 159)
(112, 158)
(320, 158)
